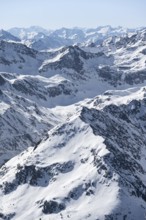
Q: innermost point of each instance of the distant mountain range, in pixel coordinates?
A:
(41, 39)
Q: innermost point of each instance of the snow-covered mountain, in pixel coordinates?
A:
(41, 39)
(91, 166)
(72, 124)
(67, 75)
(27, 33)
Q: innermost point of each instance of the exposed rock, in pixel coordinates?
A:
(50, 207)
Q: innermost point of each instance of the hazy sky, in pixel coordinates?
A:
(53, 14)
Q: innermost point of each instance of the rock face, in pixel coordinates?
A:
(52, 207)
(116, 124)
(73, 126)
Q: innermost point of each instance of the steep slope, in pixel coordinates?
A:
(4, 35)
(96, 160)
(129, 56)
(74, 60)
(18, 58)
(23, 121)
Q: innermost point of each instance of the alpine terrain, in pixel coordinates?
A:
(73, 124)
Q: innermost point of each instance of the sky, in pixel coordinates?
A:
(54, 14)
